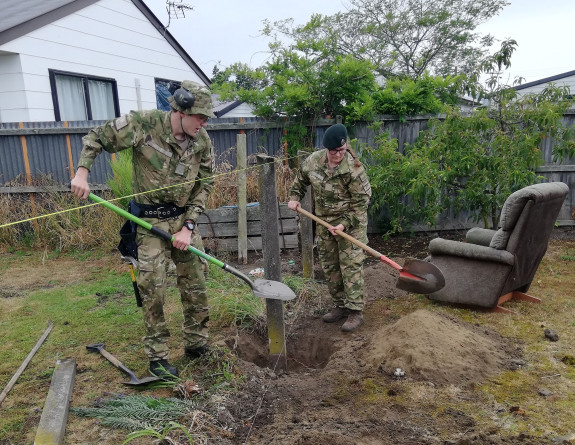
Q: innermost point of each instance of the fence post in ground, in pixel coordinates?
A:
(306, 230)
(241, 162)
(272, 259)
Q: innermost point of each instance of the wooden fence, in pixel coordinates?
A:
(219, 228)
(51, 149)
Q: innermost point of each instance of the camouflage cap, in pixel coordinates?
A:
(202, 103)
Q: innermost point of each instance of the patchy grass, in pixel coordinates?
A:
(89, 298)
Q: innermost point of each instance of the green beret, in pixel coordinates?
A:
(202, 103)
(335, 137)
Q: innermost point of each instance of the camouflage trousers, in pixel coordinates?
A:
(342, 265)
(153, 261)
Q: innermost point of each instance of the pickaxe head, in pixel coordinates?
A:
(96, 347)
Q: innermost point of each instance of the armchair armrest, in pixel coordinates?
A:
(440, 246)
(479, 236)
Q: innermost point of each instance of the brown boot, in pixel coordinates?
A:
(354, 321)
(335, 314)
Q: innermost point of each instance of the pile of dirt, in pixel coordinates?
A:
(311, 402)
(428, 346)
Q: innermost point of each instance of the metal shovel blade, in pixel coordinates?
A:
(273, 290)
(420, 277)
(134, 381)
(269, 289)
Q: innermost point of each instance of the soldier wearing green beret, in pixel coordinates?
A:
(341, 193)
(172, 157)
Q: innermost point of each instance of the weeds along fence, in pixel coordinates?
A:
(50, 151)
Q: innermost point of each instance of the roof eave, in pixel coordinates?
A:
(228, 108)
(45, 19)
(545, 80)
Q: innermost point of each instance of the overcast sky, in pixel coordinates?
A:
(226, 31)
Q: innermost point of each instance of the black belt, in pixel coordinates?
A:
(159, 211)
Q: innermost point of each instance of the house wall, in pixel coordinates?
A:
(242, 110)
(568, 81)
(12, 97)
(110, 38)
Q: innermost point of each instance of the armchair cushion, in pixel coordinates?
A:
(480, 236)
(440, 246)
(500, 239)
(513, 207)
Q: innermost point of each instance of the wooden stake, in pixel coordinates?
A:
(25, 362)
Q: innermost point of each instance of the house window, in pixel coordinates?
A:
(162, 94)
(78, 97)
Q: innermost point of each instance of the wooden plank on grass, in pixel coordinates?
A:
(55, 413)
(25, 362)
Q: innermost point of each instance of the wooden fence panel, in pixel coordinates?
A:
(219, 228)
(47, 153)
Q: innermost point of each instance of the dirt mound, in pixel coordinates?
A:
(380, 281)
(433, 347)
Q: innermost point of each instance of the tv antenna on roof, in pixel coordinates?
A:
(176, 10)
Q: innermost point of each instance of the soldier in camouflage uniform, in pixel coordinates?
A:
(172, 158)
(341, 193)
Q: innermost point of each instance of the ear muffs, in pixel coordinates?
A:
(183, 97)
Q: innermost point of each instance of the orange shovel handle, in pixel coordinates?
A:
(358, 243)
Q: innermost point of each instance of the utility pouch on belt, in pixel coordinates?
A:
(128, 245)
(160, 211)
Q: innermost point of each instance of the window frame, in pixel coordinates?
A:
(161, 79)
(84, 77)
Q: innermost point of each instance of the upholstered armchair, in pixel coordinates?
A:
(494, 266)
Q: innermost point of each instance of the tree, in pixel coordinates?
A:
(407, 97)
(404, 38)
(471, 163)
(309, 79)
(300, 84)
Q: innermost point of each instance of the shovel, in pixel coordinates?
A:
(269, 289)
(134, 381)
(415, 276)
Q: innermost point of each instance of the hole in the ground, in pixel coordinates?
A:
(303, 351)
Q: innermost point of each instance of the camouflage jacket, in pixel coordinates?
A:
(339, 197)
(162, 173)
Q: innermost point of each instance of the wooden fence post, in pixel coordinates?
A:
(241, 162)
(306, 230)
(272, 259)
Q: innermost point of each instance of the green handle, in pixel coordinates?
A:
(153, 229)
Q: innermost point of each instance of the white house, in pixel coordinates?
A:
(560, 80)
(231, 109)
(65, 60)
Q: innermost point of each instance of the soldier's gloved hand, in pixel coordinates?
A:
(182, 239)
(339, 227)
